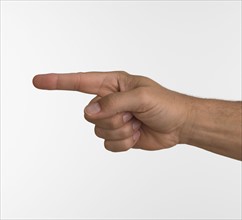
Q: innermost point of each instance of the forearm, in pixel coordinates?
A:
(215, 125)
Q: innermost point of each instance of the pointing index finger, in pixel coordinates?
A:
(53, 81)
(88, 82)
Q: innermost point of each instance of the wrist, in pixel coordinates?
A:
(187, 129)
(213, 125)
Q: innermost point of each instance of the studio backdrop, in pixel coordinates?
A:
(52, 164)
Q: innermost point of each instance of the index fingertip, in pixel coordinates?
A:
(35, 81)
(44, 81)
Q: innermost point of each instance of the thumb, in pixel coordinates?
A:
(130, 101)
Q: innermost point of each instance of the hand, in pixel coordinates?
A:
(128, 111)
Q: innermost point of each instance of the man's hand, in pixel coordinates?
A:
(135, 112)
(128, 111)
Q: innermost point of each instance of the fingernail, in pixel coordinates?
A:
(136, 125)
(127, 116)
(136, 135)
(93, 108)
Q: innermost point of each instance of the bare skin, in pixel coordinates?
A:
(131, 111)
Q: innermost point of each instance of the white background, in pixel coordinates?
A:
(52, 164)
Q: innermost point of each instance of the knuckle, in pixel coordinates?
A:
(108, 146)
(126, 144)
(126, 131)
(98, 132)
(77, 81)
(125, 81)
(121, 72)
(115, 147)
(112, 123)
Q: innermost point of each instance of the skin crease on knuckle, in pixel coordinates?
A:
(113, 122)
(125, 131)
(119, 146)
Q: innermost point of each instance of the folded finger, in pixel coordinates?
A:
(112, 122)
(121, 133)
(122, 145)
